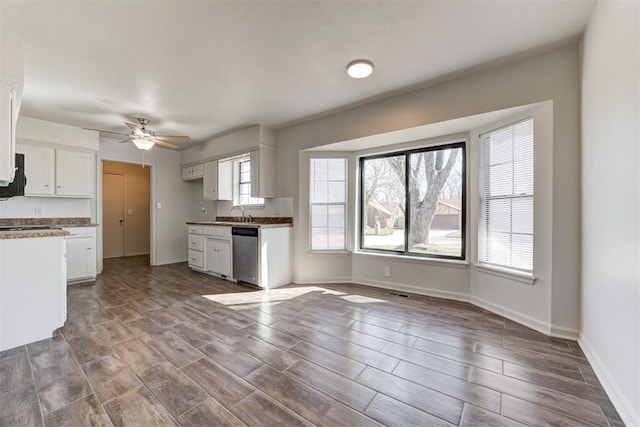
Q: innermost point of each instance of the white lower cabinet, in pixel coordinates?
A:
(81, 254)
(218, 253)
(210, 250)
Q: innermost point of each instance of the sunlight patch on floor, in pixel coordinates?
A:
(268, 296)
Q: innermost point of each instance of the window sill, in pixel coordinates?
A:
(505, 273)
(312, 252)
(453, 263)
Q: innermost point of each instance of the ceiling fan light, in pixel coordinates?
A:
(143, 144)
(360, 68)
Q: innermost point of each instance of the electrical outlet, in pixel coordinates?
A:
(387, 271)
(37, 211)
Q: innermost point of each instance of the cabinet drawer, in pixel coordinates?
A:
(195, 242)
(223, 232)
(195, 259)
(195, 229)
(80, 232)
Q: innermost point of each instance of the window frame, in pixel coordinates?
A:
(462, 144)
(237, 182)
(345, 205)
(482, 217)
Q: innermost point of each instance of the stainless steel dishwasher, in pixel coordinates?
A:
(245, 255)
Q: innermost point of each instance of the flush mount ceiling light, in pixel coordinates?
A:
(360, 68)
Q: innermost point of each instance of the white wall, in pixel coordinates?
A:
(610, 202)
(167, 188)
(238, 142)
(553, 76)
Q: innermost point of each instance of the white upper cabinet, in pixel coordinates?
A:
(39, 168)
(11, 81)
(56, 172)
(210, 181)
(74, 174)
(263, 172)
(225, 180)
(193, 172)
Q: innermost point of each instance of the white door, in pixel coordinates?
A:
(80, 258)
(113, 215)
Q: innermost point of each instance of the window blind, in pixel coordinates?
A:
(507, 196)
(327, 204)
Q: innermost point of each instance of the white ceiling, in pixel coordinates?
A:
(204, 67)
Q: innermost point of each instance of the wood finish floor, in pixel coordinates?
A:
(154, 346)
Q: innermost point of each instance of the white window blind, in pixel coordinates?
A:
(507, 197)
(327, 204)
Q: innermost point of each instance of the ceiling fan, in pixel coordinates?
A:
(144, 138)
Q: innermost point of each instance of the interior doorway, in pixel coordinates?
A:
(126, 210)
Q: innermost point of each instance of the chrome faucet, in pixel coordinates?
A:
(238, 206)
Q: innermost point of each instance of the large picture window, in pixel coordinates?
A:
(507, 197)
(327, 204)
(413, 202)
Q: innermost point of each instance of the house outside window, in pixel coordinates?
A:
(413, 202)
(506, 226)
(328, 204)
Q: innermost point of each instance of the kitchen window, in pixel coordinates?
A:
(244, 197)
(507, 197)
(328, 204)
(413, 202)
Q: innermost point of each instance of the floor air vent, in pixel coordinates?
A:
(398, 294)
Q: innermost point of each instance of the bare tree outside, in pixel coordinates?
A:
(435, 194)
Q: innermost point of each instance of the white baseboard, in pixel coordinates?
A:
(430, 292)
(525, 320)
(171, 261)
(138, 253)
(566, 333)
(322, 282)
(619, 400)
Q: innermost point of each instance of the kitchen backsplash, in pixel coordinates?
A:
(278, 207)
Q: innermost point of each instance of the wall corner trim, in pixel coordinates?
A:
(620, 402)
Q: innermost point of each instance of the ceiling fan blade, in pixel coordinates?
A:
(126, 140)
(165, 144)
(107, 131)
(173, 137)
(134, 128)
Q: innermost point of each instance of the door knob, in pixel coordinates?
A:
(120, 221)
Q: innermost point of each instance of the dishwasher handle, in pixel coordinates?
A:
(244, 231)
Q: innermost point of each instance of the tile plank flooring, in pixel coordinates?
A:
(167, 346)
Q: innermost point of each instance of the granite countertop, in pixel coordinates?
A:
(25, 234)
(52, 222)
(241, 224)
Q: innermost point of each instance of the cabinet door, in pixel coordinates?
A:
(186, 173)
(225, 180)
(224, 257)
(197, 171)
(74, 174)
(81, 255)
(263, 172)
(210, 181)
(255, 173)
(39, 166)
(211, 255)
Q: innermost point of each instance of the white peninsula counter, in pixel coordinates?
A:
(33, 291)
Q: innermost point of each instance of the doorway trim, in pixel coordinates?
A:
(152, 213)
